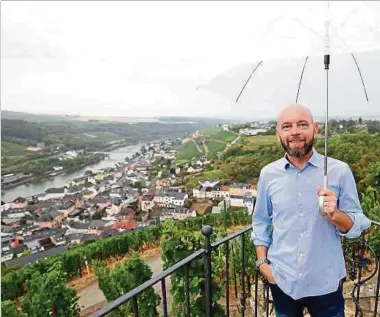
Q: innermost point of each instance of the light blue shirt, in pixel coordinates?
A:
(304, 248)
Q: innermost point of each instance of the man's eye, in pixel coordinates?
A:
(304, 125)
(286, 127)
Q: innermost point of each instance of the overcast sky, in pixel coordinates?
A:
(147, 58)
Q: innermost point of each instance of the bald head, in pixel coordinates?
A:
(292, 111)
(296, 130)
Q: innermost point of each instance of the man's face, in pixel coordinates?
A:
(295, 131)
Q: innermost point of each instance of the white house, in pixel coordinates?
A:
(54, 193)
(147, 203)
(170, 199)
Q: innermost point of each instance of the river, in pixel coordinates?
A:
(39, 186)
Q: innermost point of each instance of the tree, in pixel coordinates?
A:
(88, 172)
(26, 252)
(47, 295)
(97, 215)
(8, 309)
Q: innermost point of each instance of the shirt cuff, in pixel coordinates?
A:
(260, 241)
(360, 223)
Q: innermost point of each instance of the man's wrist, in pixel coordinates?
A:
(260, 262)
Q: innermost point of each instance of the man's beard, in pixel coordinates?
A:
(298, 152)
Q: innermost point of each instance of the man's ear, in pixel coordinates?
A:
(315, 128)
(278, 136)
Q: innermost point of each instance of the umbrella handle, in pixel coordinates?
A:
(321, 206)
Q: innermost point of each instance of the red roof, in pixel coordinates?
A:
(125, 225)
(224, 188)
(151, 192)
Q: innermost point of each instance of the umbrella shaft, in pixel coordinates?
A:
(327, 64)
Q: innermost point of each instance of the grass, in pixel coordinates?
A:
(187, 151)
(249, 141)
(13, 149)
(216, 134)
(214, 147)
(102, 136)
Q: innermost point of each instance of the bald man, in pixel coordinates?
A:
(299, 251)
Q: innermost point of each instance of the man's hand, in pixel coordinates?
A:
(330, 202)
(266, 271)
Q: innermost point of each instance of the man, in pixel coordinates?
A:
(298, 250)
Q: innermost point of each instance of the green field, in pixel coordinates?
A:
(214, 147)
(187, 151)
(257, 140)
(102, 136)
(13, 149)
(216, 134)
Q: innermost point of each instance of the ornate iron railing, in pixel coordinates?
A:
(362, 262)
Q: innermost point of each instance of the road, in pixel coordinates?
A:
(92, 295)
(197, 145)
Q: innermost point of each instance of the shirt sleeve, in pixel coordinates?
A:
(261, 217)
(348, 202)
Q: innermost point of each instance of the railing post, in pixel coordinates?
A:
(242, 294)
(207, 231)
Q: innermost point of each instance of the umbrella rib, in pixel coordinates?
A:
(361, 77)
(300, 81)
(241, 91)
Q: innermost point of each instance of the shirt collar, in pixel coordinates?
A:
(314, 160)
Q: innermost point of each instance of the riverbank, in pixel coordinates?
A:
(41, 184)
(48, 174)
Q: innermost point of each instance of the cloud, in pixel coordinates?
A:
(144, 58)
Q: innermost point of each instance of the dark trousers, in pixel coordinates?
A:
(329, 305)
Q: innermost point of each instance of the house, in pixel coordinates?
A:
(225, 127)
(170, 199)
(92, 227)
(100, 202)
(192, 170)
(126, 214)
(116, 193)
(72, 190)
(52, 219)
(76, 212)
(78, 238)
(207, 189)
(67, 207)
(19, 202)
(71, 154)
(54, 193)
(249, 202)
(251, 131)
(183, 213)
(147, 203)
(141, 166)
(113, 210)
(34, 246)
(16, 213)
(125, 225)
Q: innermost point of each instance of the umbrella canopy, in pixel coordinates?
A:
(313, 28)
(274, 84)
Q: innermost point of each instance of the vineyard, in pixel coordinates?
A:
(43, 283)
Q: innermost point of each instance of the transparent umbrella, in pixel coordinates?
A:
(319, 54)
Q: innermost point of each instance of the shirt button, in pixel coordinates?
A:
(298, 174)
(301, 214)
(301, 235)
(300, 274)
(299, 194)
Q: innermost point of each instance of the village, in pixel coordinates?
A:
(139, 192)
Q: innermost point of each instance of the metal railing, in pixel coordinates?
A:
(362, 262)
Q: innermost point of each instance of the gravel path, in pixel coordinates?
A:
(92, 295)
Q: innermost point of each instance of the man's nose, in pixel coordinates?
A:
(294, 129)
